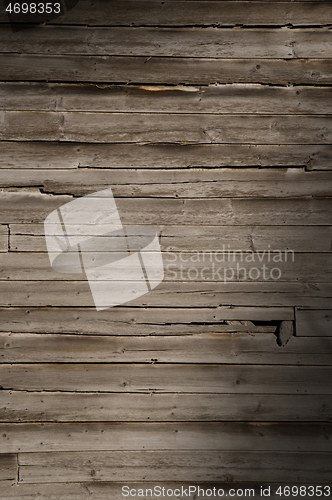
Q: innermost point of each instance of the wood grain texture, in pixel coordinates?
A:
(225, 43)
(243, 348)
(224, 99)
(33, 207)
(48, 406)
(174, 183)
(34, 438)
(181, 466)
(8, 467)
(163, 70)
(152, 128)
(30, 238)
(204, 13)
(163, 378)
(237, 298)
(52, 156)
(309, 323)
(4, 238)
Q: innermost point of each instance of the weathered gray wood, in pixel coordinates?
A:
(34, 438)
(170, 128)
(219, 379)
(191, 266)
(174, 183)
(8, 467)
(285, 332)
(163, 70)
(311, 323)
(252, 99)
(209, 42)
(33, 207)
(182, 465)
(259, 348)
(225, 13)
(4, 238)
(30, 238)
(67, 155)
(97, 407)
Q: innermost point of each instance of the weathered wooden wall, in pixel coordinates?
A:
(211, 121)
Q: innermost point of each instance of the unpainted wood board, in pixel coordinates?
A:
(310, 323)
(170, 128)
(228, 99)
(210, 42)
(33, 207)
(36, 437)
(186, 266)
(171, 294)
(41, 155)
(222, 347)
(204, 13)
(181, 465)
(31, 406)
(242, 348)
(174, 183)
(30, 238)
(8, 467)
(163, 70)
(142, 378)
(4, 238)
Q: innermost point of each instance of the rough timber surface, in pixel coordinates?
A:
(211, 122)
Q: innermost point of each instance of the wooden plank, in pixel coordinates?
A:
(34, 438)
(33, 207)
(4, 238)
(142, 378)
(183, 465)
(189, 266)
(222, 347)
(8, 467)
(233, 43)
(30, 238)
(98, 407)
(204, 13)
(77, 294)
(240, 98)
(163, 70)
(67, 155)
(170, 128)
(174, 183)
(311, 323)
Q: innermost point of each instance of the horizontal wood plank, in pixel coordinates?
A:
(219, 379)
(30, 238)
(4, 238)
(31, 406)
(187, 267)
(33, 207)
(8, 467)
(181, 465)
(204, 13)
(224, 99)
(170, 128)
(50, 156)
(174, 183)
(242, 348)
(311, 323)
(163, 70)
(34, 438)
(261, 43)
(77, 294)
